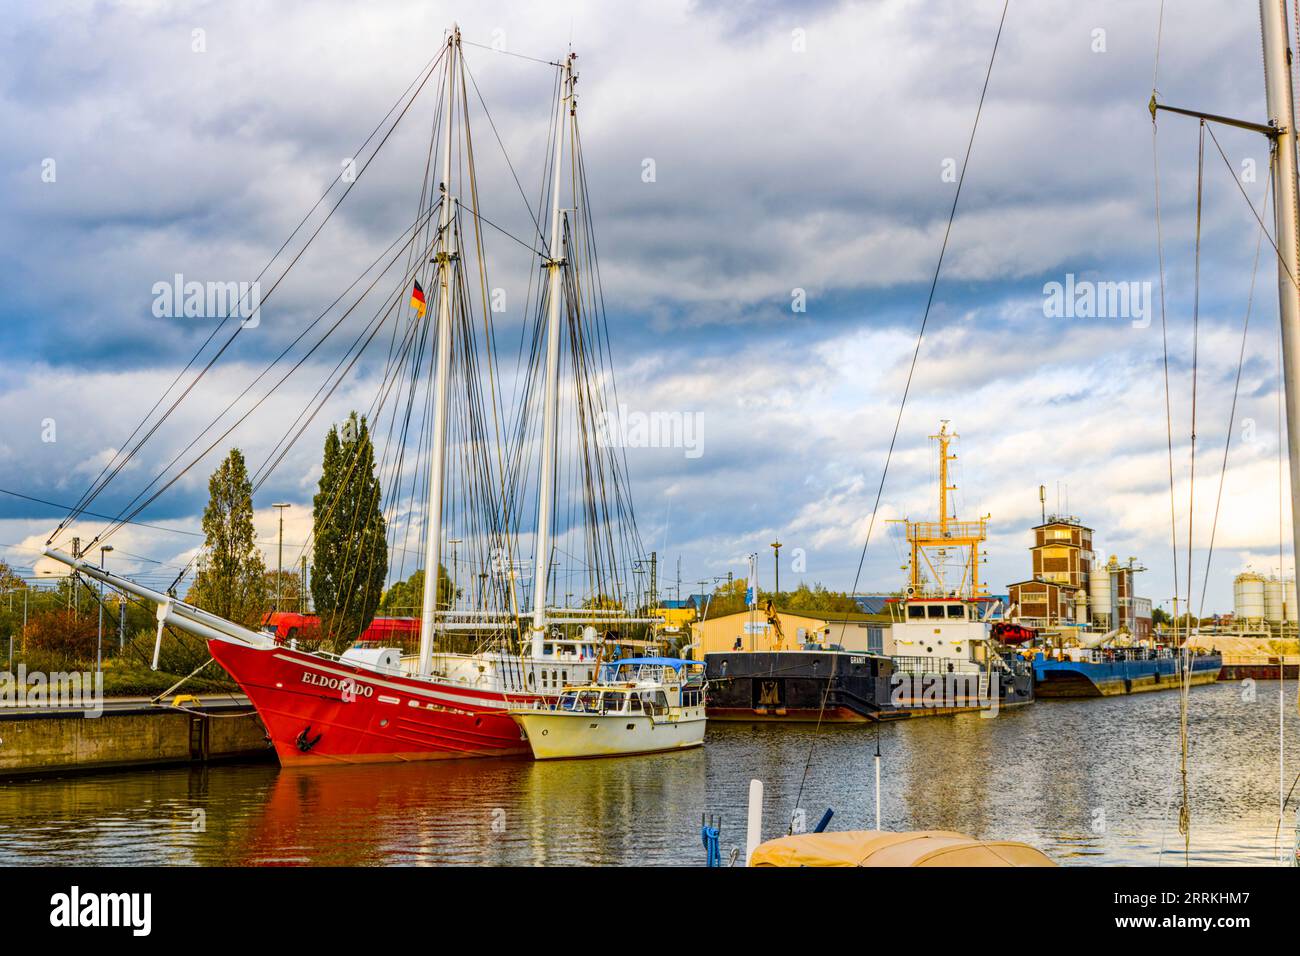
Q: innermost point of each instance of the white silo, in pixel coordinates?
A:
(1273, 600)
(1275, 589)
(1248, 597)
(1099, 595)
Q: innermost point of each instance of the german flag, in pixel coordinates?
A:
(417, 299)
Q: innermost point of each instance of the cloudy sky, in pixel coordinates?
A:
(795, 146)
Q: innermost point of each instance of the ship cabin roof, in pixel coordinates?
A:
(650, 670)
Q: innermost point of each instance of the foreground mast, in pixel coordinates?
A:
(1281, 115)
(554, 271)
(1280, 130)
(438, 439)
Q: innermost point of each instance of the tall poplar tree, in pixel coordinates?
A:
(231, 579)
(350, 553)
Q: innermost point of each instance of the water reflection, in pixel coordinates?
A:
(1087, 781)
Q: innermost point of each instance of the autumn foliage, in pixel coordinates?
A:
(64, 637)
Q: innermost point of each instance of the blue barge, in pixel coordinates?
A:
(1107, 672)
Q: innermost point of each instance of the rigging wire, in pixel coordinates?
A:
(1232, 413)
(119, 462)
(920, 337)
(1281, 534)
(1185, 691)
(934, 282)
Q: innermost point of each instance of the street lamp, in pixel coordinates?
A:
(776, 562)
(279, 563)
(455, 572)
(99, 637)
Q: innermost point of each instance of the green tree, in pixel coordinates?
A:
(727, 599)
(231, 579)
(730, 598)
(405, 598)
(9, 580)
(350, 553)
(290, 590)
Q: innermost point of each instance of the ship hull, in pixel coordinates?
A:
(796, 686)
(942, 694)
(560, 736)
(1115, 678)
(844, 687)
(319, 711)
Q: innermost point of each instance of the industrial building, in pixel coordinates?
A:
(751, 631)
(1069, 589)
(1056, 593)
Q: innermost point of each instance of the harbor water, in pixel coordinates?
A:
(1088, 781)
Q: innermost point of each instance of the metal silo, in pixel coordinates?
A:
(1248, 597)
(1099, 595)
(1273, 600)
(1274, 591)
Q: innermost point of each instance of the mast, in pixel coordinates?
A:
(1281, 115)
(944, 535)
(554, 270)
(438, 436)
(944, 438)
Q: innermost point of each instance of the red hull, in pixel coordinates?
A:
(320, 711)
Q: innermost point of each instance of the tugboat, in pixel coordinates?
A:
(947, 659)
(947, 655)
(939, 655)
(638, 705)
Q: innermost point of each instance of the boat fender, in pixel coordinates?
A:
(304, 742)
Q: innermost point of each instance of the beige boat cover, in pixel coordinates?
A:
(881, 848)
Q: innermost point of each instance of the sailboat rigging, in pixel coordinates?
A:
(482, 483)
(1280, 129)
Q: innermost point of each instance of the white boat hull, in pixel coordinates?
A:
(557, 735)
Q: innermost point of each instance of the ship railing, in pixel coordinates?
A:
(928, 665)
(1110, 655)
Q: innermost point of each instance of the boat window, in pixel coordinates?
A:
(613, 702)
(935, 610)
(956, 610)
(634, 704)
(915, 611)
(564, 676)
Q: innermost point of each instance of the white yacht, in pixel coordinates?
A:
(636, 705)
